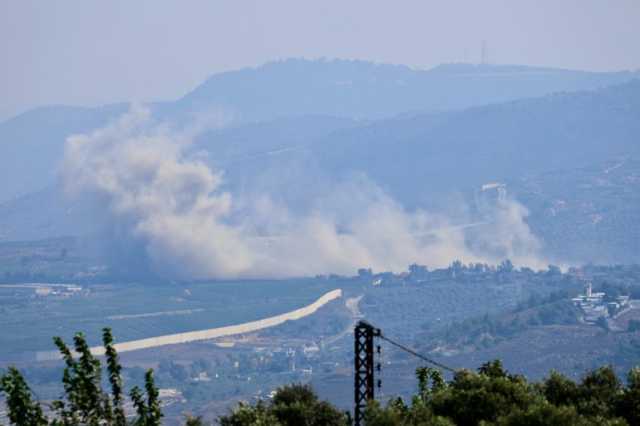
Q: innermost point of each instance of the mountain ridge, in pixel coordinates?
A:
(31, 144)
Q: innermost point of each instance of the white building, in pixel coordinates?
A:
(593, 306)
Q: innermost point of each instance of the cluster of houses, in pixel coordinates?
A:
(595, 305)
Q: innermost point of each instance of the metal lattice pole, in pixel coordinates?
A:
(364, 368)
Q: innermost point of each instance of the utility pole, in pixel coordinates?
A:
(364, 368)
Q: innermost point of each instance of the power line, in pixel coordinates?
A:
(365, 366)
(416, 354)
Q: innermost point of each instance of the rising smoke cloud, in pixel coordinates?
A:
(174, 204)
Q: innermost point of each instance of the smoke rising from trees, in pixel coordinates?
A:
(190, 227)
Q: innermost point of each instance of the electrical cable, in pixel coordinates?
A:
(416, 354)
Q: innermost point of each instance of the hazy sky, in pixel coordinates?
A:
(92, 52)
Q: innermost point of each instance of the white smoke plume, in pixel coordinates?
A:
(191, 229)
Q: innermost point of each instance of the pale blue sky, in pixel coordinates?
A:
(93, 52)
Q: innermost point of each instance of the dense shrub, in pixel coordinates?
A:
(292, 405)
(492, 396)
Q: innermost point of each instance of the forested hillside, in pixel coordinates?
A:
(31, 144)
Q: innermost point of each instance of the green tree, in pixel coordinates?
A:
(149, 412)
(22, 409)
(492, 396)
(193, 421)
(628, 406)
(84, 401)
(471, 397)
(545, 414)
(291, 405)
(430, 381)
(599, 392)
(114, 370)
(559, 390)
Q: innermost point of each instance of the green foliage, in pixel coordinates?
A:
(396, 413)
(599, 392)
(22, 409)
(629, 402)
(492, 396)
(84, 401)
(193, 421)
(149, 413)
(559, 390)
(292, 405)
(545, 414)
(173, 371)
(115, 379)
(489, 397)
(430, 381)
(555, 308)
(248, 415)
(471, 397)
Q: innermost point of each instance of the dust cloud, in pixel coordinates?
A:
(174, 205)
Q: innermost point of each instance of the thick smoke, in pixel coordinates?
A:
(190, 228)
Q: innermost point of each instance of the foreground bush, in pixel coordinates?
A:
(492, 396)
(489, 397)
(84, 401)
(293, 405)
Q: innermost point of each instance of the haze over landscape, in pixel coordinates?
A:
(461, 175)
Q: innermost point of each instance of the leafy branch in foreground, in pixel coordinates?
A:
(22, 409)
(84, 401)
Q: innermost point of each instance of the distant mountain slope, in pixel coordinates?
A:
(537, 146)
(365, 90)
(417, 157)
(44, 214)
(231, 145)
(551, 152)
(547, 331)
(31, 144)
(587, 214)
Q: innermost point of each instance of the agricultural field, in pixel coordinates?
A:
(135, 311)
